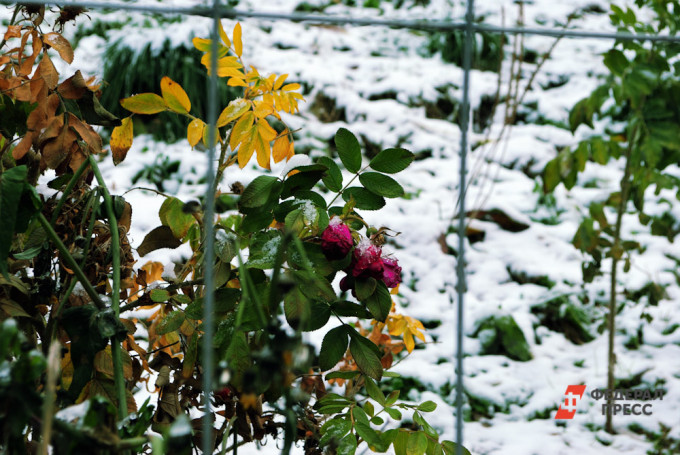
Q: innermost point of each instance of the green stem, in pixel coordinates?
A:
(611, 321)
(68, 189)
(348, 184)
(115, 293)
(66, 256)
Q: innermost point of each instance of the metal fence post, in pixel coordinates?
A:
(209, 253)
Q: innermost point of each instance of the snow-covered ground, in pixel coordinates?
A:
(384, 81)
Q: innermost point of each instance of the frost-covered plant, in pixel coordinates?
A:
(67, 252)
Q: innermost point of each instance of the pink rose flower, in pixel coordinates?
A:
(367, 261)
(391, 272)
(336, 240)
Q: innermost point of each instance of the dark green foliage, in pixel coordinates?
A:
(500, 335)
(562, 315)
(486, 49)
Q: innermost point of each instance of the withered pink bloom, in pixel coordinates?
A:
(367, 261)
(391, 272)
(336, 239)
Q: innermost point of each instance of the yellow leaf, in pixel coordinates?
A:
(202, 44)
(281, 147)
(236, 82)
(229, 72)
(144, 103)
(205, 60)
(408, 341)
(243, 125)
(175, 97)
(121, 140)
(223, 35)
(279, 82)
(253, 137)
(291, 151)
(234, 110)
(289, 87)
(262, 109)
(238, 44)
(195, 131)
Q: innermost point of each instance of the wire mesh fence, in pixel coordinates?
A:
(216, 11)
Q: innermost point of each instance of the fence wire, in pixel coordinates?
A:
(216, 12)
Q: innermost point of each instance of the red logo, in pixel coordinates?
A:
(567, 409)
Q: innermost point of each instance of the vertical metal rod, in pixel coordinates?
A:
(461, 286)
(208, 252)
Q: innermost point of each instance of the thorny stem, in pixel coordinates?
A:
(116, 354)
(611, 326)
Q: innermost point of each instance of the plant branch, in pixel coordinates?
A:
(611, 325)
(116, 354)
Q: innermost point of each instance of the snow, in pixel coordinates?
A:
(351, 64)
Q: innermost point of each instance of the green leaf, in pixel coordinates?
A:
(314, 286)
(392, 161)
(144, 103)
(427, 428)
(364, 430)
(580, 114)
(417, 443)
(450, 448)
(380, 302)
(350, 309)
(365, 287)
(334, 429)
(315, 255)
(225, 245)
(343, 374)
(348, 445)
(400, 442)
(616, 61)
(368, 407)
(159, 295)
(260, 191)
(303, 180)
(225, 302)
(264, 247)
(349, 150)
(364, 199)
(333, 177)
(393, 396)
(305, 314)
(599, 150)
(374, 391)
(171, 322)
(333, 348)
(551, 175)
(394, 413)
(364, 353)
(238, 357)
(173, 216)
(160, 237)
(427, 406)
(381, 184)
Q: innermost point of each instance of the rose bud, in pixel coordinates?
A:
(336, 240)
